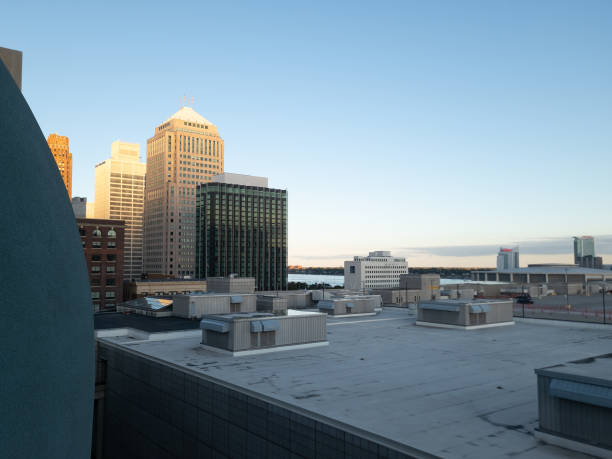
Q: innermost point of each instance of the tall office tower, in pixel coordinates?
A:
(59, 146)
(120, 183)
(584, 251)
(507, 259)
(242, 229)
(186, 150)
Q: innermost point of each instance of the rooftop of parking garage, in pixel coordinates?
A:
(452, 393)
(552, 269)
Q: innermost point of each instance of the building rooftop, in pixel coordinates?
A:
(596, 370)
(552, 269)
(451, 393)
(241, 179)
(145, 323)
(167, 280)
(190, 115)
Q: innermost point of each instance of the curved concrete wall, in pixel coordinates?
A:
(46, 323)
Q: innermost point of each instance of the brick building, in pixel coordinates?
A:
(103, 244)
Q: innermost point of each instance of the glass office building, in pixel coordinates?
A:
(242, 229)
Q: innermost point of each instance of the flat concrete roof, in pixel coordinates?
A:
(452, 393)
(551, 270)
(595, 370)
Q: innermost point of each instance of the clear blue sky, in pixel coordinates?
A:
(405, 126)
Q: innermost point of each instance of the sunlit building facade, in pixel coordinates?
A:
(186, 150)
(119, 195)
(60, 148)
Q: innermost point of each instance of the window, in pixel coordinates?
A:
(95, 258)
(110, 281)
(82, 231)
(109, 294)
(110, 244)
(95, 269)
(95, 281)
(109, 269)
(96, 233)
(96, 244)
(95, 295)
(111, 233)
(111, 257)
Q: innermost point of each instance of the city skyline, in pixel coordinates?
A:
(436, 128)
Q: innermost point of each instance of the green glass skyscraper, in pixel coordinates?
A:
(241, 228)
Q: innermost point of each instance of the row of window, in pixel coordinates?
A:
(108, 281)
(98, 244)
(96, 295)
(109, 257)
(98, 233)
(97, 268)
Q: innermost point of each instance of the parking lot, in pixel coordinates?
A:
(574, 307)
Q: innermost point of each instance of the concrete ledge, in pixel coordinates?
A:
(572, 444)
(352, 315)
(140, 335)
(461, 327)
(266, 350)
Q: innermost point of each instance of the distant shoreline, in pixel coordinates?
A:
(454, 272)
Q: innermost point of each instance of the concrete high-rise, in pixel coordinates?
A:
(79, 207)
(119, 195)
(242, 229)
(584, 251)
(12, 60)
(60, 148)
(186, 150)
(507, 259)
(378, 270)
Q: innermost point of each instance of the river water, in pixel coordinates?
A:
(335, 280)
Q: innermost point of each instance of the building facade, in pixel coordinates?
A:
(185, 151)
(12, 60)
(119, 195)
(103, 247)
(584, 252)
(60, 148)
(242, 230)
(507, 259)
(378, 270)
(162, 287)
(79, 207)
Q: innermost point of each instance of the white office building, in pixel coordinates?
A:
(507, 259)
(378, 270)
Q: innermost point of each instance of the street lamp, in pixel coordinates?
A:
(603, 300)
(567, 305)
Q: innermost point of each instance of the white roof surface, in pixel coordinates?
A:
(452, 393)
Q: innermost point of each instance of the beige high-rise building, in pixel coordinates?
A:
(119, 195)
(60, 148)
(185, 151)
